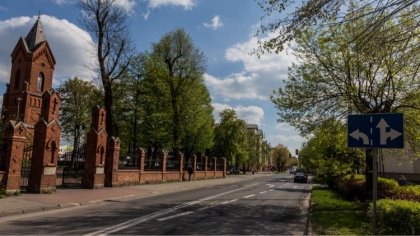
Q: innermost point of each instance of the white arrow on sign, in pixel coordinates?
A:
(360, 135)
(393, 134)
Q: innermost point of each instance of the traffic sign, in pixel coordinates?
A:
(383, 130)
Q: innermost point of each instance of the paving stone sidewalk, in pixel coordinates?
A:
(63, 198)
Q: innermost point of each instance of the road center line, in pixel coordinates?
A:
(142, 219)
(175, 216)
(248, 196)
(262, 192)
(233, 200)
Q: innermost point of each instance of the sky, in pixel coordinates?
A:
(223, 29)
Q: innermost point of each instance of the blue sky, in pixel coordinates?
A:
(223, 29)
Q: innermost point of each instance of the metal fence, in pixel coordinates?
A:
(3, 153)
(220, 164)
(152, 163)
(129, 160)
(26, 168)
(172, 163)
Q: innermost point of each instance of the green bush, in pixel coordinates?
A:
(408, 192)
(397, 217)
(351, 186)
(387, 188)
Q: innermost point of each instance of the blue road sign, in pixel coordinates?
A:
(376, 130)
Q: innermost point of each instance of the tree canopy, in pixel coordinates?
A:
(284, 20)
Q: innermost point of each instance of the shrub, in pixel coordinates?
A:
(387, 188)
(408, 192)
(2, 192)
(397, 217)
(351, 186)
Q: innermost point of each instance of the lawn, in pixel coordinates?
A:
(330, 214)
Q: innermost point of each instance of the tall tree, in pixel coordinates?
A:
(230, 139)
(280, 155)
(184, 64)
(287, 19)
(107, 23)
(78, 97)
(197, 120)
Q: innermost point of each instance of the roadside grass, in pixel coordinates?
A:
(2, 193)
(332, 215)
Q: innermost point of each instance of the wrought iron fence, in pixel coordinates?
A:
(152, 163)
(26, 167)
(201, 164)
(210, 163)
(220, 164)
(172, 163)
(73, 164)
(129, 160)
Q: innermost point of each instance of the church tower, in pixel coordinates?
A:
(31, 74)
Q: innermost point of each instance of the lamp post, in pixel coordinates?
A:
(18, 106)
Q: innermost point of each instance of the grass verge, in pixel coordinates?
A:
(332, 215)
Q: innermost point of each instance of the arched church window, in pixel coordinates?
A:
(40, 82)
(17, 79)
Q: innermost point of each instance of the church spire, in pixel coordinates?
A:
(36, 35)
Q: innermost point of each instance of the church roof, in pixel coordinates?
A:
(35, 36)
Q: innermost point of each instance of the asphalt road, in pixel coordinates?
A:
(271, 205)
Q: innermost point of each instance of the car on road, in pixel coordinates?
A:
(300, 177)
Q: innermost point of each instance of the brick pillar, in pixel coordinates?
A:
(163, 157)
(181, 166)
(111, 161)
(141, 159)
(94, 175)
(224, 167)
(205, 166)
(47, 134)
(15, 139)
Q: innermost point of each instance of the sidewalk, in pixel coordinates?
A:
(64, 198)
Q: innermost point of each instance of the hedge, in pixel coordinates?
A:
(397, 217)
(353, 187)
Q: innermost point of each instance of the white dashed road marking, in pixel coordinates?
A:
(233, 200)
(248, 196)
(262, 192)
(174, 216)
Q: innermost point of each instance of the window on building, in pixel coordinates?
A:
(17, 79)
(40, 83)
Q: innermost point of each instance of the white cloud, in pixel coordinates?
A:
(260, 76)
(250, 114)
(284, 127)
(216, 23)
(187, 4)
(2, 8)
(72, 47)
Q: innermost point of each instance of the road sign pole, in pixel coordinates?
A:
(375, 187)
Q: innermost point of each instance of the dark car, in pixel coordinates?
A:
(300, 177)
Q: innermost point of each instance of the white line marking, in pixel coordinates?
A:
(262, 192)
(295, 187)
(248, 196)
(270, 185)
(233, 200)
(270, 190)
(142, 219)
(175, 216)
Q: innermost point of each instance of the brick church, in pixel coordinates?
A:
(31, 75)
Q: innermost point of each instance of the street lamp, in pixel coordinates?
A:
(18, 106)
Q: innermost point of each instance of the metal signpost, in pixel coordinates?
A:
(384, 130)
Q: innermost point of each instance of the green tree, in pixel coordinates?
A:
(197, 121)
(78, 97)
(336, 78)
(280, 155)
(284, 20)
(230, 140)
(326, 152)
(106, 20)
(183, 65)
